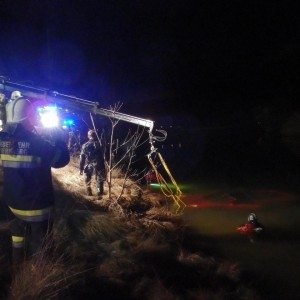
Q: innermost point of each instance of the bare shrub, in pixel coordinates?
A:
(122, 160)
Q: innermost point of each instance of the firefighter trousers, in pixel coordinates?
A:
(100, 178)
(28, 237)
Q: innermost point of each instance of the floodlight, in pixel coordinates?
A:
(48, 116)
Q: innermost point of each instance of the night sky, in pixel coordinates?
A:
(197, 56)
(204, 64)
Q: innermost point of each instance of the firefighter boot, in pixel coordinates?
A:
(18, 257)
(89, 191)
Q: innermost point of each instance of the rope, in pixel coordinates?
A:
(166, 190)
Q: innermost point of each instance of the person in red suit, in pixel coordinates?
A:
(252, 228)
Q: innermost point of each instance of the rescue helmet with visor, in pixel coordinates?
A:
(19, 111)
(92, 135)
(252, 217)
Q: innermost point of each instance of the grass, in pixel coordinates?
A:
(144, 253)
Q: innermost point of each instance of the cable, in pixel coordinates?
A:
(166, 190)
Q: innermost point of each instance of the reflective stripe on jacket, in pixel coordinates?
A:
(20, 161)
(36, 215)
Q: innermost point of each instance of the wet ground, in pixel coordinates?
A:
(272, 263)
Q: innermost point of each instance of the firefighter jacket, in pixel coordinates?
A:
(27, 159)
(91, 156)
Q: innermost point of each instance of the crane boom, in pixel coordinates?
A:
(72, 102)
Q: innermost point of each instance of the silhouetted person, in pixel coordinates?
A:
(27, 159)
(92, 162)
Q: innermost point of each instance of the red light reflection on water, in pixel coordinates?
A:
(227, 205)
(259, 199)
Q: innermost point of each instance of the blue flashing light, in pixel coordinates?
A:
(68, 122)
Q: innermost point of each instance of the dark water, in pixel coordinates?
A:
(272, 263)
(235, 171)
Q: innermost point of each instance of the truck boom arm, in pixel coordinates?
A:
(72, 102)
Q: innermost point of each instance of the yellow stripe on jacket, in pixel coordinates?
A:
(20, 161)
(37, 215)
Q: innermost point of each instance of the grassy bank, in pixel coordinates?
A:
(134, 248)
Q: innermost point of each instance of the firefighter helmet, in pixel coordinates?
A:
(252, 217)
(19, 110)
(15, 95)
(92, 134)
(2, 98)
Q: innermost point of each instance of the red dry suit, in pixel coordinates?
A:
(251, 229)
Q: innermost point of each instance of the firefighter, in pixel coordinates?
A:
(92, 162)
(27, 159)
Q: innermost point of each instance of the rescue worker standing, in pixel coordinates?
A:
(92, 162)
(27, 159)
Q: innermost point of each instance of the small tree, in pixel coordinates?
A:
(125, 161)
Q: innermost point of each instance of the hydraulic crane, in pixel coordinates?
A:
(78, 104)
